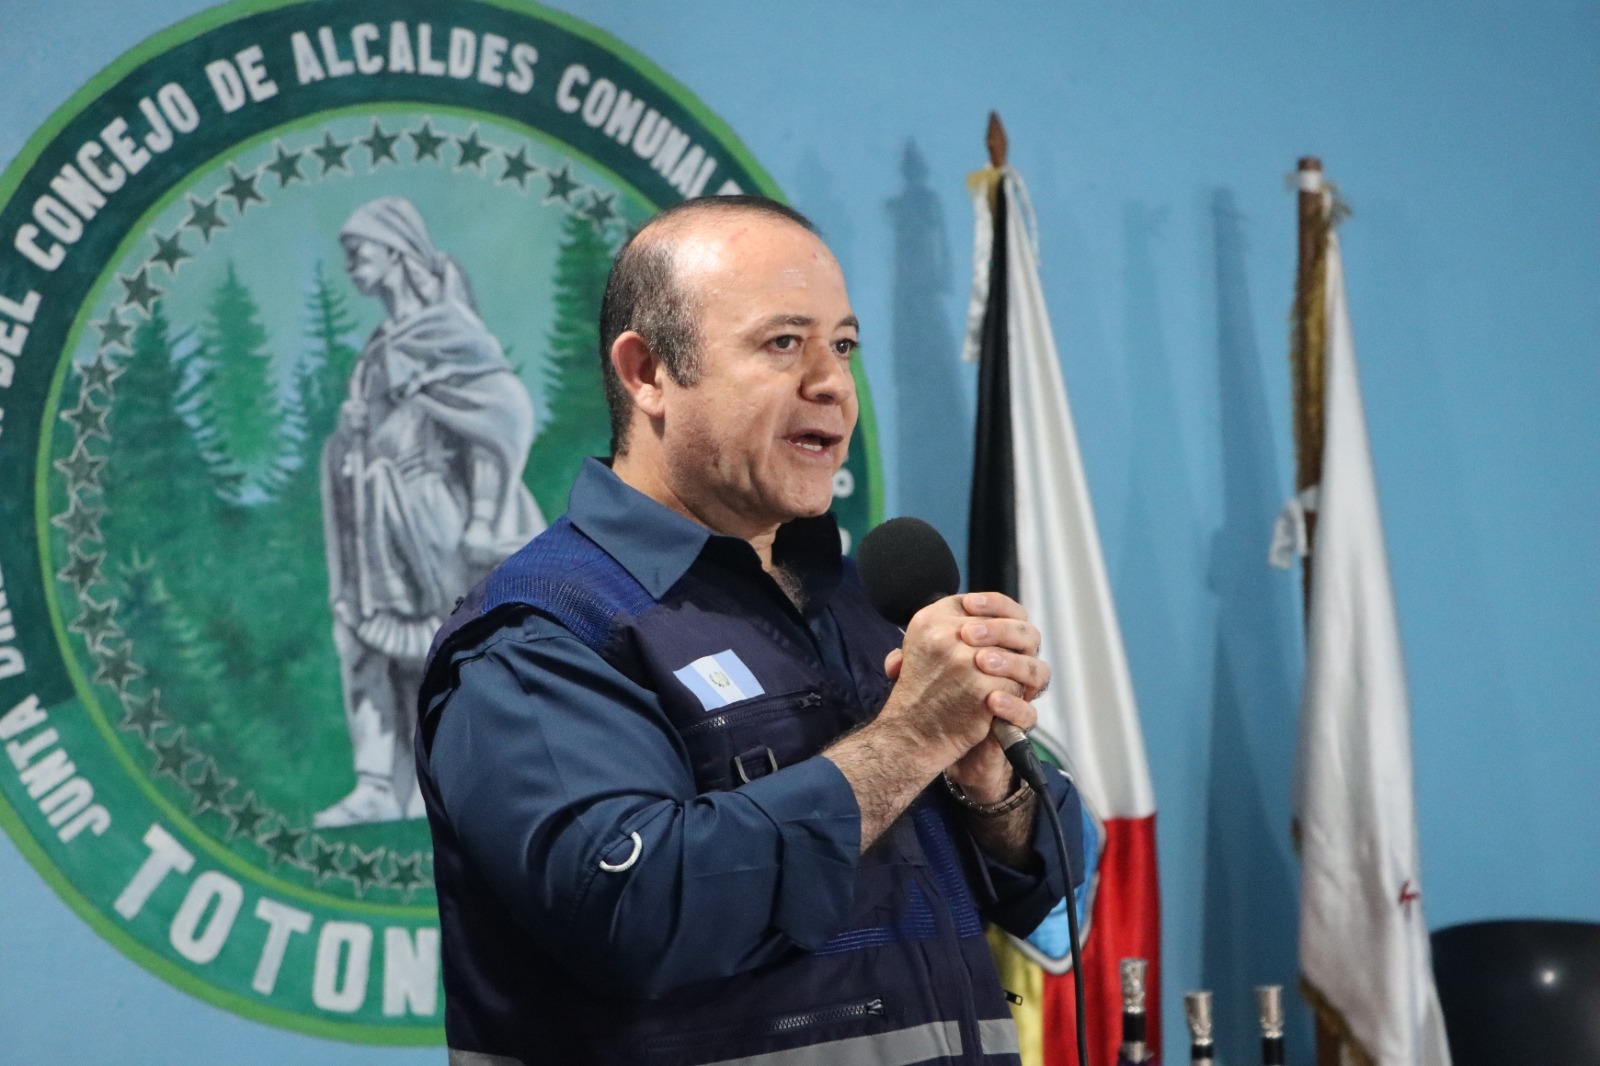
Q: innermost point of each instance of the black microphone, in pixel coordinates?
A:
(906, 565)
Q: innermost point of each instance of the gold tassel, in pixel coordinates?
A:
(1308, 335)
(1330, 1018)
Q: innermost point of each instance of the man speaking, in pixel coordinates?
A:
(684, 784)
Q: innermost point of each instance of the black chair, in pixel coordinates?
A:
(1517, 992)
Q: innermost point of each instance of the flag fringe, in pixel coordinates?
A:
(1332, 1019)
(986, 181)
(1321, 211)
(1308, 340)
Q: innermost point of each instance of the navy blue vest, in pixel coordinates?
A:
(912, 969)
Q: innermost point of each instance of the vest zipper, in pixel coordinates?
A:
(842, 1013)
(784, 1024)
(806, 701)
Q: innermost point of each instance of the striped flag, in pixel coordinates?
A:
(1033, 536)
(1364, 954)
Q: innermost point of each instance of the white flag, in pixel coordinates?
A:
(1088, 717)
(1363, 939)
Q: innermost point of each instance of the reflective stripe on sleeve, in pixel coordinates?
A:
(998, 1036)
(479, 1058)
(901, 1047)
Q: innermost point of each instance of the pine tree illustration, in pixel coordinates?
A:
(321, 382)
(180, 662)
(575, 424)
(296, 672)
(163, 507)
(323, 377)
(161, 494)
(245, 411)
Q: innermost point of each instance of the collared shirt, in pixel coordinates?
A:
(657, 546)
(556, 736)
(590, 833)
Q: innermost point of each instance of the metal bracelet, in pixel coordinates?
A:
(1019, 795)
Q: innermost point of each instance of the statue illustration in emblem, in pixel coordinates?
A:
(422, 491)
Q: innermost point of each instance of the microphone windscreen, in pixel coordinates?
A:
(906, 565)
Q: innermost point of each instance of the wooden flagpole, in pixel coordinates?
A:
(995, 140)
(1308, 349)
(1308, 345)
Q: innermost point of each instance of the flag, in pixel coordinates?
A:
(1364, 955)
(1032, 536)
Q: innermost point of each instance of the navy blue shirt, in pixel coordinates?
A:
(622, 767)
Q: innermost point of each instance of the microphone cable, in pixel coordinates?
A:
(1026, 764)
(906, 565)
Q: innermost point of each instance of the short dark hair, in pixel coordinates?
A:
(643, 294)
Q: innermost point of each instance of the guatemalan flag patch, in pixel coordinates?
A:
(720, 679)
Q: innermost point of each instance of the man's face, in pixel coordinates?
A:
(757, 439)
(367, 263)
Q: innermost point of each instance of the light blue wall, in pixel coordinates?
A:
(1155, 138)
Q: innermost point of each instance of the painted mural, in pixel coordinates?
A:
(297, 339)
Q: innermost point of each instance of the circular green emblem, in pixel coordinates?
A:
(297, 337)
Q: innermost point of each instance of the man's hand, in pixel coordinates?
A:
(966, 660)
